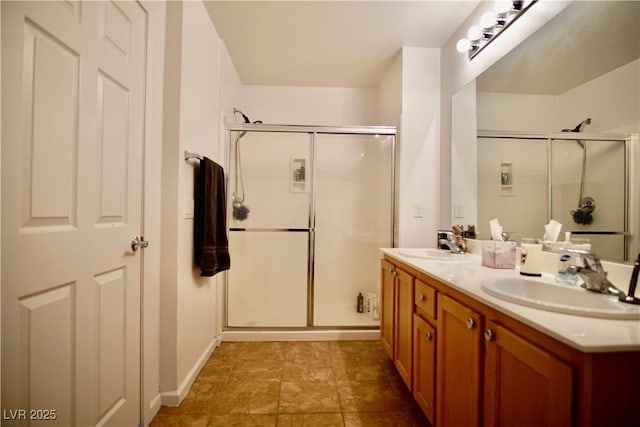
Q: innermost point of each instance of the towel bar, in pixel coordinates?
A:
(188, 155)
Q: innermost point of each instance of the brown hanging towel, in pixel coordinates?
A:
(210, 216)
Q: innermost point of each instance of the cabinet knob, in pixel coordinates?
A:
(488, 335)
(421, 298)
(470, 323)
(428, 336)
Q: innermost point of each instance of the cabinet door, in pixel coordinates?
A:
(424, 366)
(458, 377)
(524, 385)
(387, 306)
(403, 334)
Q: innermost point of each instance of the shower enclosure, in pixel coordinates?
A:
(581, 180)
(309, 208)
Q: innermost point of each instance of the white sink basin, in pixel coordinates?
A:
(436, 254)
(560, 298)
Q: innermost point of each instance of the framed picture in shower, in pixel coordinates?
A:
(298, 175)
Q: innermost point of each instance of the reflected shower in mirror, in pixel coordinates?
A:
(552, 178)
(577, 66)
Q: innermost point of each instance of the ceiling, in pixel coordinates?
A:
(584, 41)
(329, 43)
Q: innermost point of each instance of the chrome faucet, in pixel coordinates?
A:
(454, 242)
(594, 276)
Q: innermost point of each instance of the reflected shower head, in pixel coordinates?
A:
(579, 127)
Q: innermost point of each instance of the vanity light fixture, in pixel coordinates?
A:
(492, 23)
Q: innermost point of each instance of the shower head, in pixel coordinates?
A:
(579, 127)
(244, 117)
(246, 120)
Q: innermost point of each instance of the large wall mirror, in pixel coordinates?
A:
(581, 72)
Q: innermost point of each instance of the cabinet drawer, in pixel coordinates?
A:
(425, 297)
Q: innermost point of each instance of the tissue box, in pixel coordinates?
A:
(497, 254)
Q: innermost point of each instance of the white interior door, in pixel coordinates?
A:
(73, 78)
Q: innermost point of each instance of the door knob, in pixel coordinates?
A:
(470, 323)
(138, 243)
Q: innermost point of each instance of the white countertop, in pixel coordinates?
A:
(591, 335)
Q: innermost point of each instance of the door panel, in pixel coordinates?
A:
(51, 83)
(524, 384)
(72, 130)
(46, 321)
(387, 306)
(459, 364)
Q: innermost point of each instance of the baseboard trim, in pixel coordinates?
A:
(154, 408)
(174, 397)
(322, 335)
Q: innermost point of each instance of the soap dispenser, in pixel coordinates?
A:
(565, 260)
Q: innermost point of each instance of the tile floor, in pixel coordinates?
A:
(315, 384)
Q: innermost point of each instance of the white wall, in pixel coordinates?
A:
(611, 101)
(332, 106)
(196, 63)
(390, 94)
(464, 157)
(198, 132)
(519, 112)
(419, 152)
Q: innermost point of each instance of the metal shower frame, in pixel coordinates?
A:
(312, 132)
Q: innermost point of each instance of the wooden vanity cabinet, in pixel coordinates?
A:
(489, 372)
(424, 348)
(424, 366)
(397, 318)
(459, 366)
(387, 306)
(493, 370)
(403, 332)
(524, 385)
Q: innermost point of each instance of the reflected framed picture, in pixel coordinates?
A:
(298, 175)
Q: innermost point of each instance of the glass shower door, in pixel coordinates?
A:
(521, 201)
(591, 171)
(353, 219)
(269, 229)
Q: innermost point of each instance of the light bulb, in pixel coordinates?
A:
(502, 6)
(463, 45)
(488, 20)
(474, 33)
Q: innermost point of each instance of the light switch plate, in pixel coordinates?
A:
(188, 209)
(458, 210)
(418, 210)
